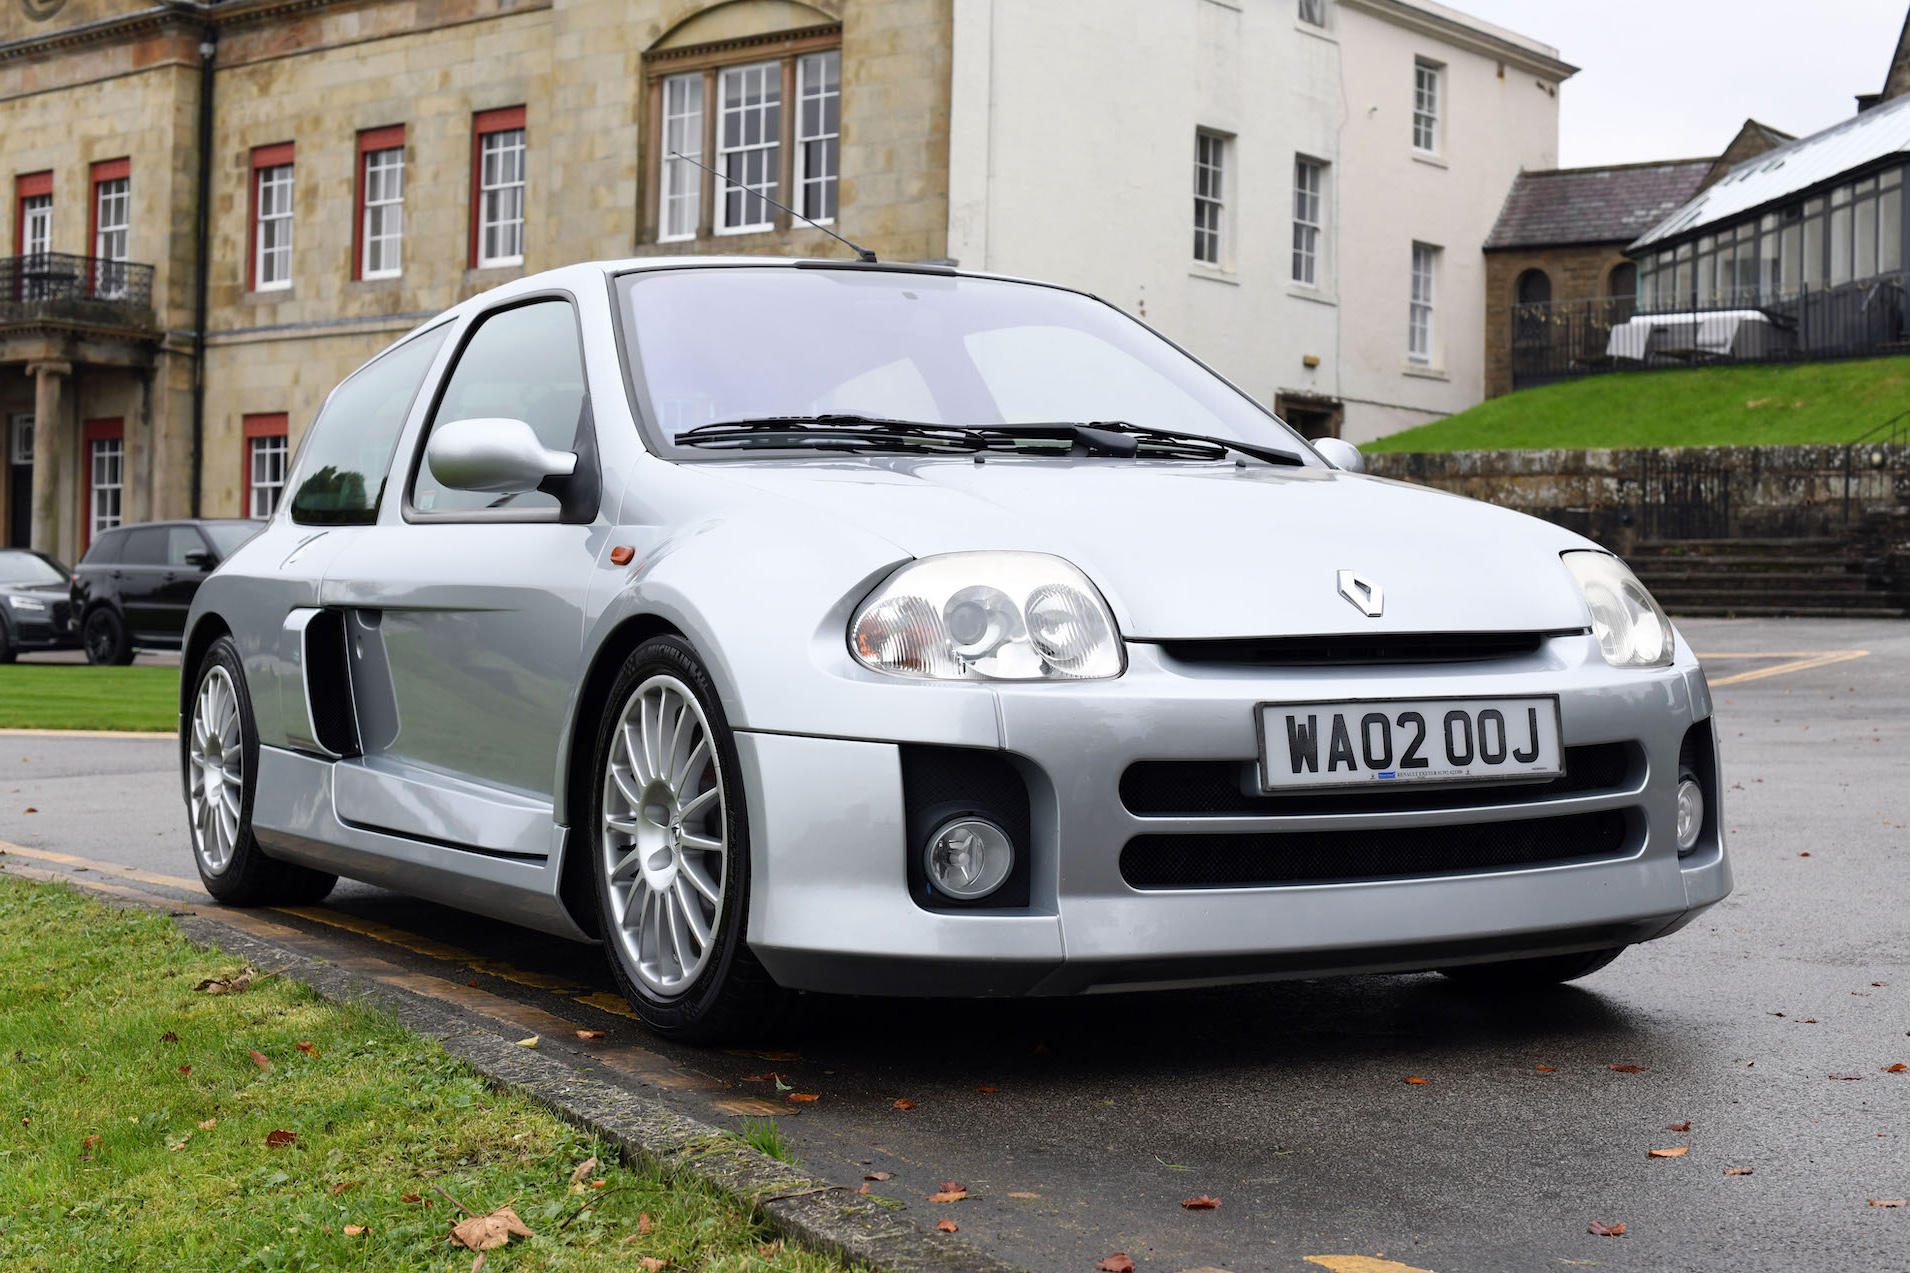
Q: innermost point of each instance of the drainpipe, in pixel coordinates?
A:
(202, 267)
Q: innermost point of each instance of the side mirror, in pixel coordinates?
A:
(493, 454)
(1341, 454)
(200, 559)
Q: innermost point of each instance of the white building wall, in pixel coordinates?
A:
(1072, 127)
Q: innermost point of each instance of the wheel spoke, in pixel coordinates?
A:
(690, 807)
(692, 919)
(633, 748)
(684, 718)
(694, 873)
(626, 866)
(692, 765)
(667, 903)
(702, 843)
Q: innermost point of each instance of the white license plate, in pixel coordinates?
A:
(1394, 741)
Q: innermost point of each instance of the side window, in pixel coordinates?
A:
(146, 546)
(342, 467)
(523, 363)
(105, 550)
(181, 540)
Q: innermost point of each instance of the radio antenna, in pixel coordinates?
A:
(862, 254)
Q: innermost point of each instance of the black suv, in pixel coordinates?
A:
(136, 583)
(33, 604)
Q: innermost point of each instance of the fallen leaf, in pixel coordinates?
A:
(1846, 1077)
(1898, 1068)
(880, 1175)
(259, 1059)
(1202, 1203)
(598, 1184)
(208, 1125)
(91, 1142)
(1737, 1171)
(485, 1232)
(169, 1037)
(903, 1103)
(948, 1195)
(185, 1069)
(804, 1096)
(1678, 1127)
(1606, 1230)
(1810, 1021)
(583, 1171)
(473, 984)
(1803, 855)
(643, 1222)
(353, 1230)
(431, 1171)
(1628, 1069)
(767, 1249)
(477, 1265)
(948, 1226)
(650, 1263)
(1888, 1202)
(345, 1186)
(590, 1036)
(409, 1197)
(528, 1043)
(307, 1048)
(1116, 1263)
(1879, 983)
(863, 1187)
(949, 1186)
(988, 1091)
(31, 809)
(279, 1138)
(1024, 1195)
(1546, 1069)
(1679, 1152)
(1413, 1078)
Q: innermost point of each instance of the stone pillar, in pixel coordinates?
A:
(48, 435)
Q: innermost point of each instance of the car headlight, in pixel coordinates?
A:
(26, 603)
(1632, 631)
(988, 616)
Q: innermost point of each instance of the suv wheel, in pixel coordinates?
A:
(104, 636)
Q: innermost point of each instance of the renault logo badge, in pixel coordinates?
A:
(1363, 593)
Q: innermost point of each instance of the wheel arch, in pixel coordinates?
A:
(208, 629)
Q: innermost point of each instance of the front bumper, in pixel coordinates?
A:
(831, 909)
(29, 631)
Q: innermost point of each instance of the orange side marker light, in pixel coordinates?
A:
(621, 555)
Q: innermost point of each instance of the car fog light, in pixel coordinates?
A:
(968, 858)
(1690, 815)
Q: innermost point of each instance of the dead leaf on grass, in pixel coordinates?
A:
(903, 1103)
(1606, 1230)
(948, 1226)
(185, 1069)
(1119, 1262)
(345, 1187)
(644, 1224)
(208, 1125)
(259, 1058)
(354, 1230)
(1737, 1171)
(486, 1232)
(169, 1037)
(767, 1249)
(1679, 1152)
(1678, 1127)
(1202, 1203)
(583, 1171)
(91, 1142)
(410, 1197)
(306, 1046)
(279, 1138)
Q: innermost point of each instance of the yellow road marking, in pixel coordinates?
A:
(616, 1004)
(1362, 1264)
(1802, 663)
(168, 735)
(431, 949)
(107, 868)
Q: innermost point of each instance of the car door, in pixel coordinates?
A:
(466, 613)
(189, 559)
(140, 579)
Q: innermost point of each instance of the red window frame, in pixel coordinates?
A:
(104, 170)
(103, 430)
(368, 140)
(262, 157)
(27, 185)
(264, 424)
(485, 122)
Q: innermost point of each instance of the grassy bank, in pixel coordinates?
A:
(1710, 406)
(76, 696)
(141, 1131)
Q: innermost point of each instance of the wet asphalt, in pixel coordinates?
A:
(1288, 1102)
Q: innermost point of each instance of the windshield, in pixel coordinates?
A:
(29, 568)
(226, 536)
(740, 344)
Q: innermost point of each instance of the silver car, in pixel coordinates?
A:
(880, 629)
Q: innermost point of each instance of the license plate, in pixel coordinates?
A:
(1388, 742)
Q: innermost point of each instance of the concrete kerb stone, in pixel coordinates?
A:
(829, 1218)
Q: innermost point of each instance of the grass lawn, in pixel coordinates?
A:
(140, 1132)
(1710, 406)
(78, 696)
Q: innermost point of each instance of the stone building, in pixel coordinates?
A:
(218, 208)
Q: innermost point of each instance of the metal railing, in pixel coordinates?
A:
(1563, 340)
(49, 284)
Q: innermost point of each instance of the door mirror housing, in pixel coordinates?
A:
(200, 559)
(1341, 454)
(493, 454)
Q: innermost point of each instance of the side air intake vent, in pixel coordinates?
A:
(328, 684)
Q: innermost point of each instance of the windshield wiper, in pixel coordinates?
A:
(1121, 437)
(835, 431)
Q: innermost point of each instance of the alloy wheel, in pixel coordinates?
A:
(216, 754)
(665, 843)
(100, 646)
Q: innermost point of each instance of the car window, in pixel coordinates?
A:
(343, 465)
(181, 541)
(523, 363)
(29, 568)
(147, 546)
(105, 550)
(227, 536)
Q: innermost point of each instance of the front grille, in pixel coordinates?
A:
(1357, 649)
(1322, 857)
(1229, 788)
(60, 612)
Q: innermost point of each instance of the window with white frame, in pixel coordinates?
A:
(36, 224)
(267, 459)
(501, 197)
(1419, 313)
(384, 228)
(1309, 185)
(1210, 160)
(679, 206)
(1426, 106)
(273, 234)
(1313, 12)
(106, 485)
(818, 133)
(748, 145)
(21, 449)
(112, 219)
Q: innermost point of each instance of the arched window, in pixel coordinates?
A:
(1624, 281)
(1534, 291)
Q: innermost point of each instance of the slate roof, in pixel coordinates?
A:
(1616, 204)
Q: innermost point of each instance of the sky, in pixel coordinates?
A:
(1674, 79)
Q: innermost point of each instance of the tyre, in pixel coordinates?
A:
(669, 846)
(7, 653)
(220, 748)
(1531, 974)
(104, 635)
